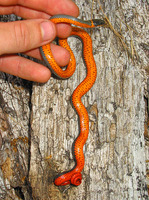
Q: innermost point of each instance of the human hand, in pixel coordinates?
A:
(26, 36)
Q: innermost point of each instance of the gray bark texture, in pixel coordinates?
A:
(38, 124)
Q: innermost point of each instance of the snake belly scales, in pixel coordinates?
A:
(74, 176)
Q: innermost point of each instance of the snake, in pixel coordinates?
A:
(74, 176)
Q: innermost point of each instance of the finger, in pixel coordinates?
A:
(51, 7)
(60, 54)
(24, 68)
(21, 36)
(24, 12)
(63, 30)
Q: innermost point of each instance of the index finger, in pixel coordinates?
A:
(51, 7)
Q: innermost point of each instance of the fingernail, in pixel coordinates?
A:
(48, 31)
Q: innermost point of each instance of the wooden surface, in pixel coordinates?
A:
(39, 124)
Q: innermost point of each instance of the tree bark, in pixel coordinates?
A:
(39, 124)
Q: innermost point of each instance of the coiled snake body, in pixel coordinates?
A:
(74, 176)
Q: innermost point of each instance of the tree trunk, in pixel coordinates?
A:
(38, 124)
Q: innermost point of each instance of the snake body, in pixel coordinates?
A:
(74, 176)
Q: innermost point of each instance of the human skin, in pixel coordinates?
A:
(26, 36)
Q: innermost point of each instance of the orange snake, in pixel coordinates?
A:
(74, 176)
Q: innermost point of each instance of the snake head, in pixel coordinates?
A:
(69, 178)
(98, 22)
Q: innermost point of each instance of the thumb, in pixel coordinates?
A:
(21, 36)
